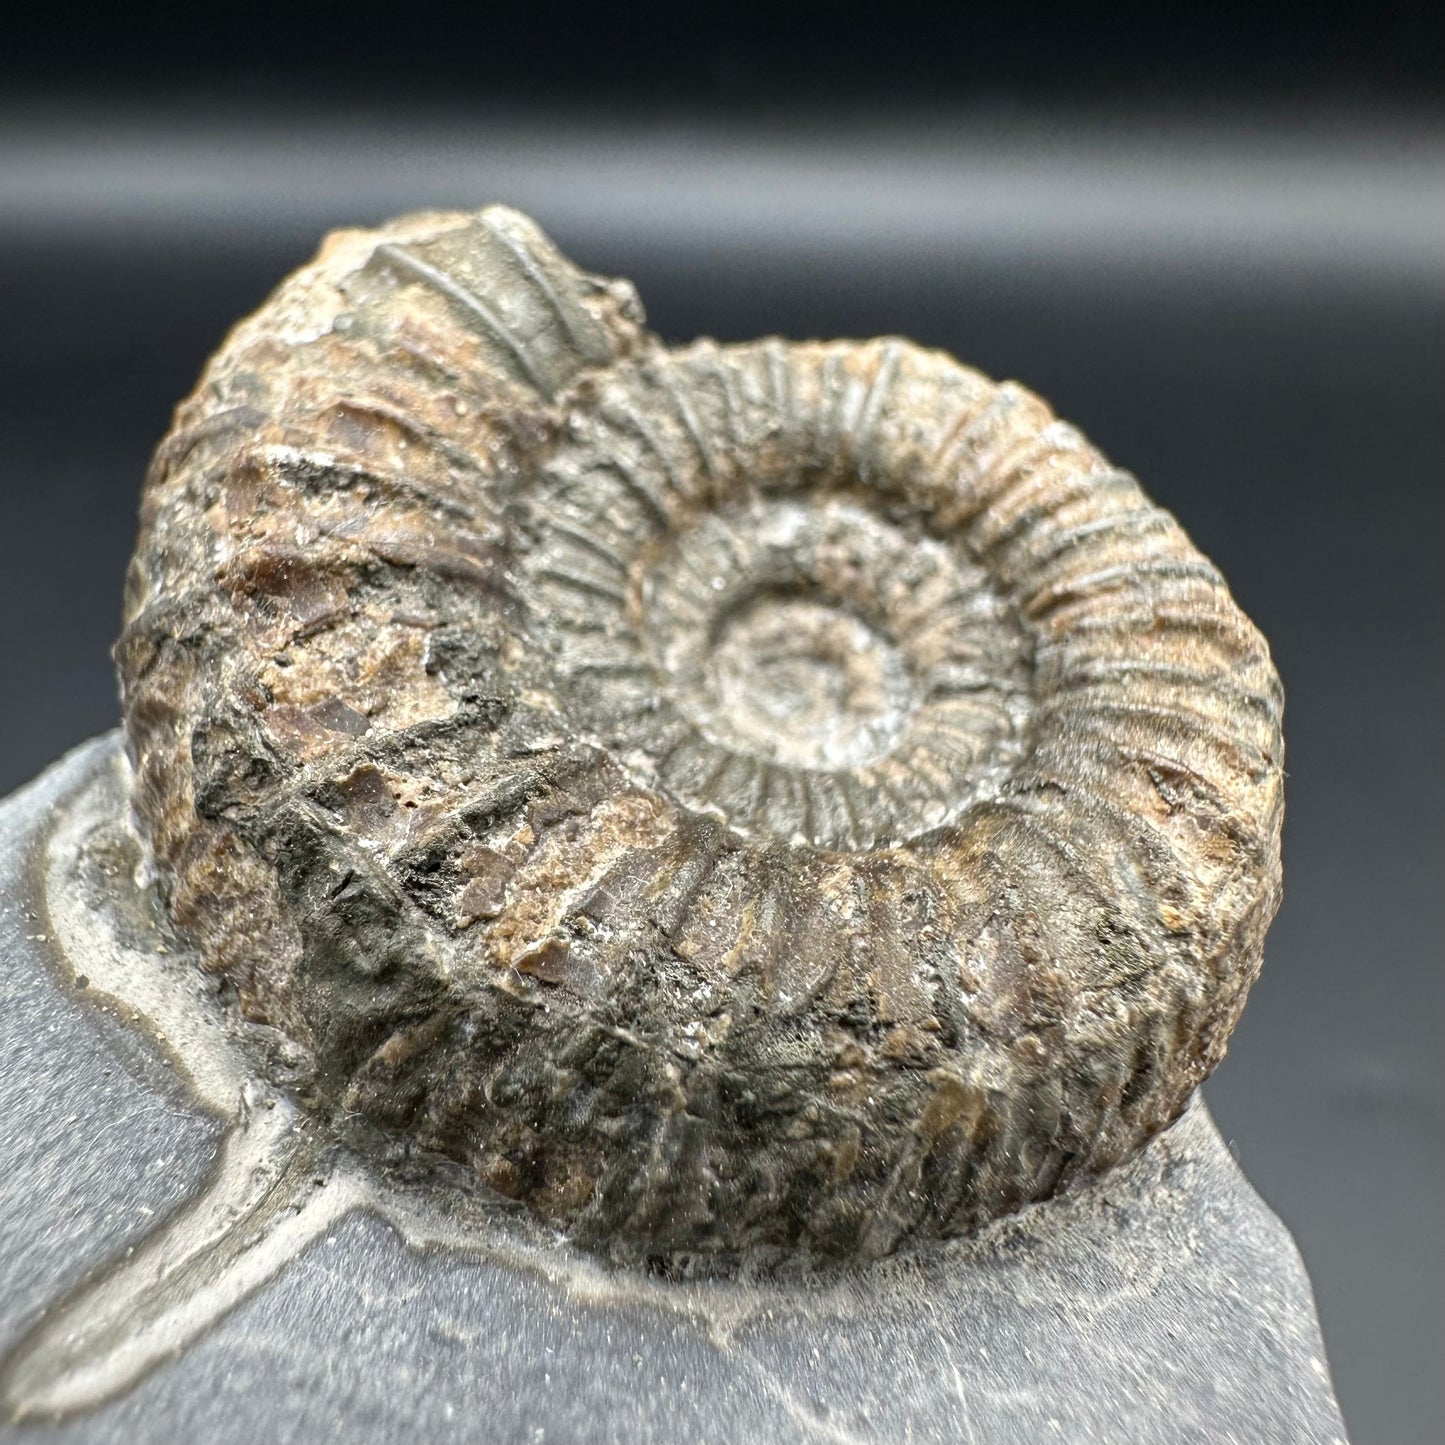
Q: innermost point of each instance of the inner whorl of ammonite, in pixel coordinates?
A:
(776, 647)
(784, 798)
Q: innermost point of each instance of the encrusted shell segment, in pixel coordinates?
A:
(777, 797)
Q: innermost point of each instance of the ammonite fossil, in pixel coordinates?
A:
(737, 799)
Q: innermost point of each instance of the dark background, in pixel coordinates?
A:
(1212, 237)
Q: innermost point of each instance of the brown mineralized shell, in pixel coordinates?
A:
(778, 797)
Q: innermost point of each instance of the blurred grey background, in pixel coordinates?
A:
(1213, 241)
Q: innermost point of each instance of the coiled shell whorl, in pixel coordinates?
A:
(777, 797)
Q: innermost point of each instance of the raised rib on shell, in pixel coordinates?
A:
(744, 797)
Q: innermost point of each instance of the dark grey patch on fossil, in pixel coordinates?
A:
(766, 800)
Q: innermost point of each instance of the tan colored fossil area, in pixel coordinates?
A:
(740, 798)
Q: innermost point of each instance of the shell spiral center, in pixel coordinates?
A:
(801, 682)
(781, 641)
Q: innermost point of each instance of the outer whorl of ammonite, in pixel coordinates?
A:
(768, 797)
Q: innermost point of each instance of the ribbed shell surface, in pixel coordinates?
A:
(775, 797)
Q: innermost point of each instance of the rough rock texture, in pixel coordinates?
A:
(771, 797)
(1162, 1305)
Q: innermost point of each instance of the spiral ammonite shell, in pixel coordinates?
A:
(777, 797)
